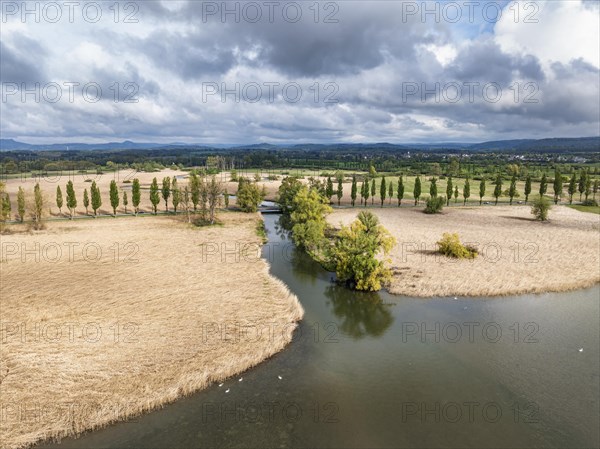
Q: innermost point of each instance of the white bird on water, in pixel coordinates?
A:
(227, 391)
(580, 349)
(241, 378)
(220, 385)
(279, 377)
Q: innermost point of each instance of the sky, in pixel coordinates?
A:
(298, 72)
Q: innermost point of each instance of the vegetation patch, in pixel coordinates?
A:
(434, 205)
(450, 246)
(540, 207)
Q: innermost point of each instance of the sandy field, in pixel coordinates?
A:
(105, 319)
(518, 255)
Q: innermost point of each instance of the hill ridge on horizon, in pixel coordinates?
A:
(589, 142)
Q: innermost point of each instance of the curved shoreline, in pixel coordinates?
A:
(183, 342)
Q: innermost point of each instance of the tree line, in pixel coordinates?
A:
(386, 190)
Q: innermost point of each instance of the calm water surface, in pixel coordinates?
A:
(376, 370)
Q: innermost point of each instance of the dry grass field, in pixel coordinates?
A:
(518, 254)
(105, 319)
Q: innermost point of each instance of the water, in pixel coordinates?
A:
(365, 370)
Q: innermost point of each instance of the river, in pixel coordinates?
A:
(377, 370)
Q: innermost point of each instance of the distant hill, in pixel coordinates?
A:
(11, 145)
(557, 144)
(553, 145)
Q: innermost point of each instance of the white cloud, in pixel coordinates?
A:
(565, 30)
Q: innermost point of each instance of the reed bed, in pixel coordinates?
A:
(88, 340)
(517, 254)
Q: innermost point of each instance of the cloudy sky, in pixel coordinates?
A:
(292, 72)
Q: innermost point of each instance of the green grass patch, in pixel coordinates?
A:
(588, 209)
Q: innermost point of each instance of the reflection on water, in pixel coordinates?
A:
(373, 370)
(361, 314)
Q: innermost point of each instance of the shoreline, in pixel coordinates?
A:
(518, 255)
(87, 385)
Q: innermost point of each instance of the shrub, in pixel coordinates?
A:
(590, 203)
(435, 204)
(249, 196)
(540, 207)
(273, 177)
(360, 253)
(450, 246)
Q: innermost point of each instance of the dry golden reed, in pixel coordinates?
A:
(147, 312)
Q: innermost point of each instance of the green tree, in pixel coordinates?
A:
(308, 221)
(340, 189)
(448, 190)
(166, 191)
(96, 198)
(21, 204)
(6, 207)
(86, 201)
(433, 187)
(353, 191)
(176, 195)
(454, 167)
(71, 199)
(373, 191)
(125, 200)
(400, 192)
(382, 190)
(417, 190)
(361, 252)
(194, 183)
(59, 199)
(455, 194)
(329, 189)
(372, 171)
(287, 191)
(154, 195)
(588, 186)
(214, 190)
(482, 189)
(366, 191)
(512, 190)
(390, 191)
(114, 197)
(558, 186)
(186, 202)
(38, 207)
(249, 196)
(498, 188)
(528, 188)
(582, 181)
(595, 190)
(136, 195)
(466, 191)
(572, 187)
(540, 207)
(543, 185)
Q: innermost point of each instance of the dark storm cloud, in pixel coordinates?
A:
(23, 63)
(486, 61)
(369, 52)
(190, 56)
(359, 39)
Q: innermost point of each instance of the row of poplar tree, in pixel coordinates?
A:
(368, 189)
